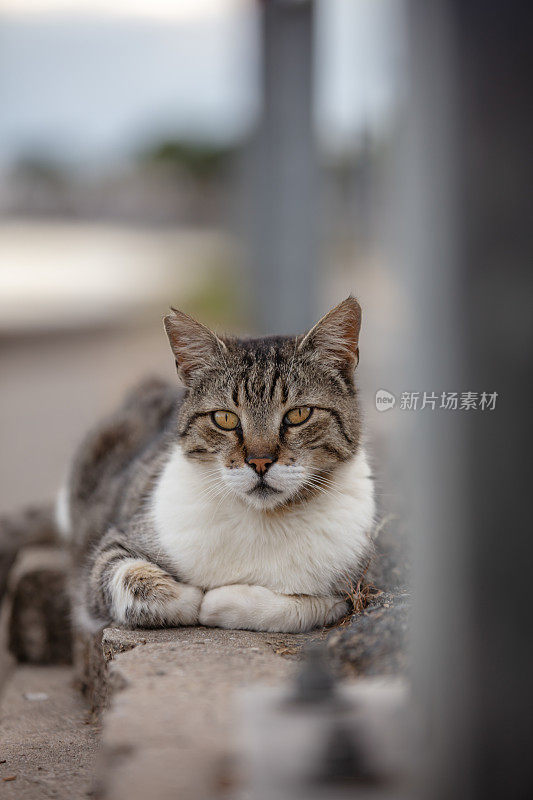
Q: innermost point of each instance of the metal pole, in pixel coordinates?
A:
(470, 245)
(283, 174)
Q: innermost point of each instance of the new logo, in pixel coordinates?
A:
(385, 400)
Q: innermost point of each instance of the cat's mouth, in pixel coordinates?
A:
(262, 489)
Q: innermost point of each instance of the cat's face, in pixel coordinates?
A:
(269, 419)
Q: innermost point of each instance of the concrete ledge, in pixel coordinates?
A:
(375, 643)
(99, 674)
(168, 697)
(173, 713)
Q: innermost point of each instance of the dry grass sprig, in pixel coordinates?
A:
(358, 596)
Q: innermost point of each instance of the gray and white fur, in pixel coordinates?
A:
(241, 498)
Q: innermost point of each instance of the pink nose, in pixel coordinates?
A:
(260, 463)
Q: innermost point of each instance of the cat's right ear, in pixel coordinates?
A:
(194, 346)
(335, 338)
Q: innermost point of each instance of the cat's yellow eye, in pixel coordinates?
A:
(226, 420)
(297, 415)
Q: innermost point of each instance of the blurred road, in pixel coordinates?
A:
(49, 745)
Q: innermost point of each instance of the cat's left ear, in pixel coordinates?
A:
(335, 337)
(193, 344)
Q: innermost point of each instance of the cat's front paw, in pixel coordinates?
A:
(336, 608)
(232, 606)
(190, 601)
(256, 608)
(144, 595)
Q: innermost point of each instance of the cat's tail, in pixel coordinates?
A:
(32, 525)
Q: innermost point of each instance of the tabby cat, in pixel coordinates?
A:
(242, 499)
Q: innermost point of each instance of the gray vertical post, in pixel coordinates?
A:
(470, 236)
(283, 182)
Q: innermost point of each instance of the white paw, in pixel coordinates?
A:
(188, 604)
(233, 606)
(256, 608)
(337, 610)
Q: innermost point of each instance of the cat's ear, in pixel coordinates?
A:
(335, 337)
(194, 346)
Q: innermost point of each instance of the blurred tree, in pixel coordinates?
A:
(201, 161)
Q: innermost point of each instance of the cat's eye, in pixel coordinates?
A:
(226, 420)
(297, 415)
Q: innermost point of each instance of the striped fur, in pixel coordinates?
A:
(170, 523)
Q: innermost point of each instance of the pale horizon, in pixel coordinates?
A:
(181, 10)
(89, 83)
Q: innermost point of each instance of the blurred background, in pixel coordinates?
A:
(228, 157)
(252, 162)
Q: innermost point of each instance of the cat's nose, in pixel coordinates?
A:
(260, 463)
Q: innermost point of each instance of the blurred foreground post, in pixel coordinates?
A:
(283, 174)
(470, 245)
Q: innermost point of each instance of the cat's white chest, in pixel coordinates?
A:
(305, 550)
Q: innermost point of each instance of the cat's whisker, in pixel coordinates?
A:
(321, 480)
(224, 495)
(211, 493)
(330, 490)
(324, 489)
(206, 491)
(325, 481)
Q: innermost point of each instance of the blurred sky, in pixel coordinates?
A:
(91, 82)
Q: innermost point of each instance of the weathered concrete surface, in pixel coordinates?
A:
(47, 743)
(170, 728)
(39, 630)
(91, 674)
(375, 641)
(171, 720)
(7, 662)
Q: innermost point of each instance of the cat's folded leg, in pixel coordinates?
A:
(256, 608)
(135, 592)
